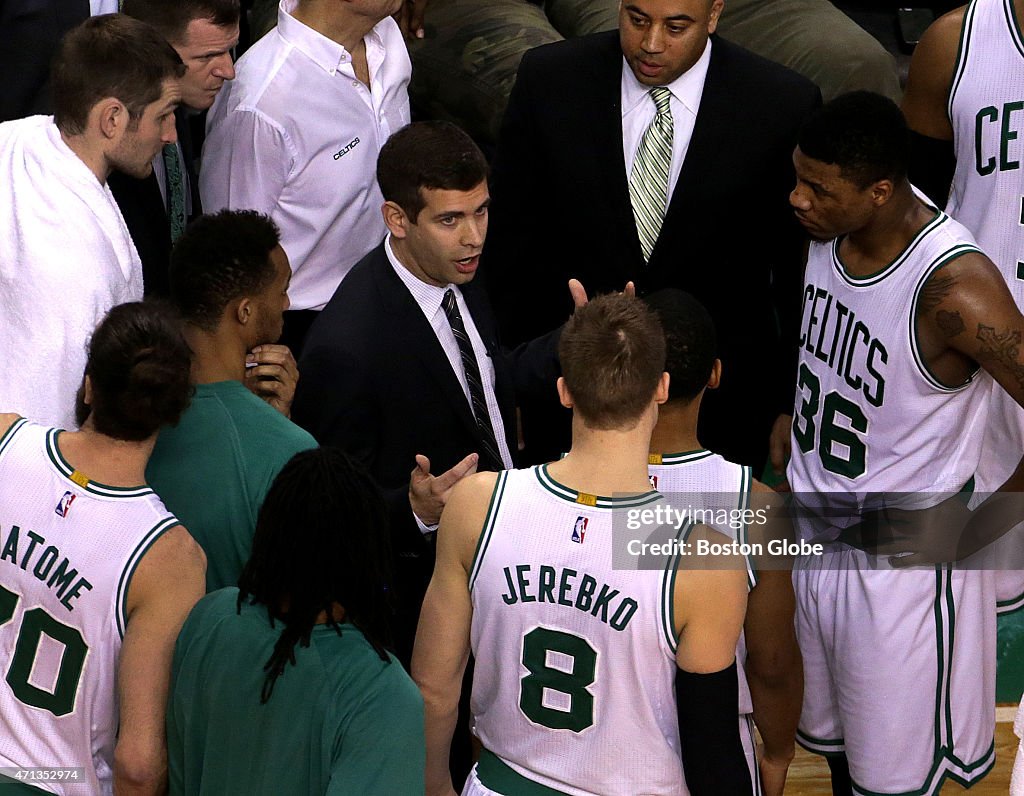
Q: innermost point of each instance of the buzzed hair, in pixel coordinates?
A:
(110, 56)
(432, 154)
(863, 133)
(220, 258)
(690, 342)
(172, 17)
(612, 353)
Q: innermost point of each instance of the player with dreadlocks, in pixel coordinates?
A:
(306, 631)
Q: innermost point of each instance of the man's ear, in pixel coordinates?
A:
(87, 391)
(564, 396)
(716, 375)
(243, 311)
(661, 393)
(395, 219)
(111, 116)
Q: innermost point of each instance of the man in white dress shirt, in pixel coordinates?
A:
(65, 254)
(296, 136)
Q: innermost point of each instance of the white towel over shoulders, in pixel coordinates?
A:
(66, 258)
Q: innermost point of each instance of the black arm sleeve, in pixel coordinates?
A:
(713, 759)
(932, 163)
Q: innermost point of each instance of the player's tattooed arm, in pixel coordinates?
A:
(967, 308)
(1001, 348)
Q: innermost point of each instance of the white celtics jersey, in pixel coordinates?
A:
(869, 417)
(692, 478)
(986, 109)
(574, 683)
(68, 549)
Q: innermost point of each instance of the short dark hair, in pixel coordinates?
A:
(220, 258)
(139, 368)
(863, 133)
(612, 353)
(433, 154)
(321, 540)
(172, 17)
(110, 56)
(690, 342)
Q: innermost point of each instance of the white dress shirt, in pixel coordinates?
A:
(429, 297)
(639, 110)
(296, 135)
(97, 7)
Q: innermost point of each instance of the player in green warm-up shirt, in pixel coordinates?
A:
(282, 686)
(229, 281)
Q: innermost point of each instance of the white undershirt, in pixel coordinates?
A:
(97, 7)
(639, 110)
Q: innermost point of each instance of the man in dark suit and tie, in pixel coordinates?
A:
(403, 368)
(659, 154)
(157, 208)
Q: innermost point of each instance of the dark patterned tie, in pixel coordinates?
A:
(472, 371)
(175, 191)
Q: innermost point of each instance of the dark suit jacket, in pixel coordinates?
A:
(30, 31)
(561, 208)
(142, 205)
(376, 382)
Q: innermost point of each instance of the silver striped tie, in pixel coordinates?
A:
(648, 183)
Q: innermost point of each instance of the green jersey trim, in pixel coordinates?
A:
(1010, 605)
(820, 746)
(1014, 26)
(668, 590)
(90, 486)
(937, 220)
(16, 426)
(485, 534)
(591, 501)
(686, 457)
(121, 608)
(746, 480)
(495, 774)
(922, 366)
(961, 58)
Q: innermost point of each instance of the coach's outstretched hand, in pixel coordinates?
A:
(580, 297)
(428, 493)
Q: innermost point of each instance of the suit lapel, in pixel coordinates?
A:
(420, 337)
(606, 132)
(712, 120)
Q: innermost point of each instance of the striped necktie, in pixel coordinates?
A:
(175, 191)
(476, 388)
(648, 183)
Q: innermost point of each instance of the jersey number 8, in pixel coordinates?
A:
(536, 646)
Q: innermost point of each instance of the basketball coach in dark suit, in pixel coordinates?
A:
(403, 368)
(659, 154)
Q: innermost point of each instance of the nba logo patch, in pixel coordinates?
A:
(579, 530)
(64, 504)
(654, 481)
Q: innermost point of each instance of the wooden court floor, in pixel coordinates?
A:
(808, 776)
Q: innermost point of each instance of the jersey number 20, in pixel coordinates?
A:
(34, 624)
(536, 646)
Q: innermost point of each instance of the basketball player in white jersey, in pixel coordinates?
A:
(96, 577)
(768, 659)
(575, 659)
(904, 324)
(964, 101)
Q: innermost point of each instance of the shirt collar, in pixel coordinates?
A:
(327, 54)
(427, 296)
(687, 88)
